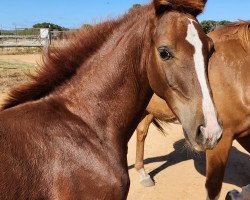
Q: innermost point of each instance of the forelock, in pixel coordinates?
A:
(193, 7)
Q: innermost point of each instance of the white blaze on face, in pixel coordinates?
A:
(212, 129)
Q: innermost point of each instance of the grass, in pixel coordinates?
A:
(14, 73)
(20, 51)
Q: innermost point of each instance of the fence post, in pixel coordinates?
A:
(49, 35)
(16, 33)
(47, 42)
(1, 40)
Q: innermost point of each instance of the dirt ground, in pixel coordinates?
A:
(14, 69)
(29, 58)
(179, 174)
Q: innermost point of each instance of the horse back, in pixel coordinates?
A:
(229, 72)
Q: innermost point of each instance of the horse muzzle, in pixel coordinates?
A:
(207, 138)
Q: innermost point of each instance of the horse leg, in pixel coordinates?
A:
(216, 163)
(121, 184)
(245, 142)
(245, 194)
(142, 131)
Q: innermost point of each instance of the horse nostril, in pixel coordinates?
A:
(199, 134)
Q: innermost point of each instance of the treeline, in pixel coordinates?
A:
(51, 26)
(17, 31)
(210, 25)
(34, 30)
(207, 25)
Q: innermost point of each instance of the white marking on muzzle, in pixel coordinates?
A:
(212, 128)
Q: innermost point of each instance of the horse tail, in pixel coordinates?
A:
(160, 123)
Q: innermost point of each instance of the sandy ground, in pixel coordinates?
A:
(179, 175)
(29, 58)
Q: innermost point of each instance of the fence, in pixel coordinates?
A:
(28, 37)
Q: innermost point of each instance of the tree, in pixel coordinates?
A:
(210, 25)
(137, 5)
(86, 25)
(224, 22)
(50, 25)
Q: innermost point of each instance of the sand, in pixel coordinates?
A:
(178, 173)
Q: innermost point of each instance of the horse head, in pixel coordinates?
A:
(178, 69)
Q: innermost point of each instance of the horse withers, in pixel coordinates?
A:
(229, 76)
(64, 134)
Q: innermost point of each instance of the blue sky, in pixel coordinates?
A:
(73, 13)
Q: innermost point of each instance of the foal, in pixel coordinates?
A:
(64, 135)
(229, 75)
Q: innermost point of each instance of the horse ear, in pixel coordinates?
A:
(194, 7)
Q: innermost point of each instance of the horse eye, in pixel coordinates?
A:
(164, 53)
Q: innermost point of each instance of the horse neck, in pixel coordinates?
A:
(110, 92)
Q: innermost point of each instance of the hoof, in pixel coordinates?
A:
(147, 182)
(234, 195)
(145, 179)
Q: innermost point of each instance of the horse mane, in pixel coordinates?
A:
(239, 30)
(244, 33)
(61, 62)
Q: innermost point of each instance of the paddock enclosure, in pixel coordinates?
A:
(14, 40)
(29, 37)
(178, 173)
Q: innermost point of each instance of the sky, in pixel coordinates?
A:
(74, 13)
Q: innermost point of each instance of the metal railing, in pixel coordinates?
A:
(28, 37)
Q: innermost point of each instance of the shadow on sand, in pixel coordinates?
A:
(237, 171)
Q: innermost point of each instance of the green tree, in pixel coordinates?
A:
(137, 5)
(224, 22)
(86, 25)
(50, 25)
(210, 25)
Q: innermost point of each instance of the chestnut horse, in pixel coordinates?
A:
(229, 75)
(64, 135)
